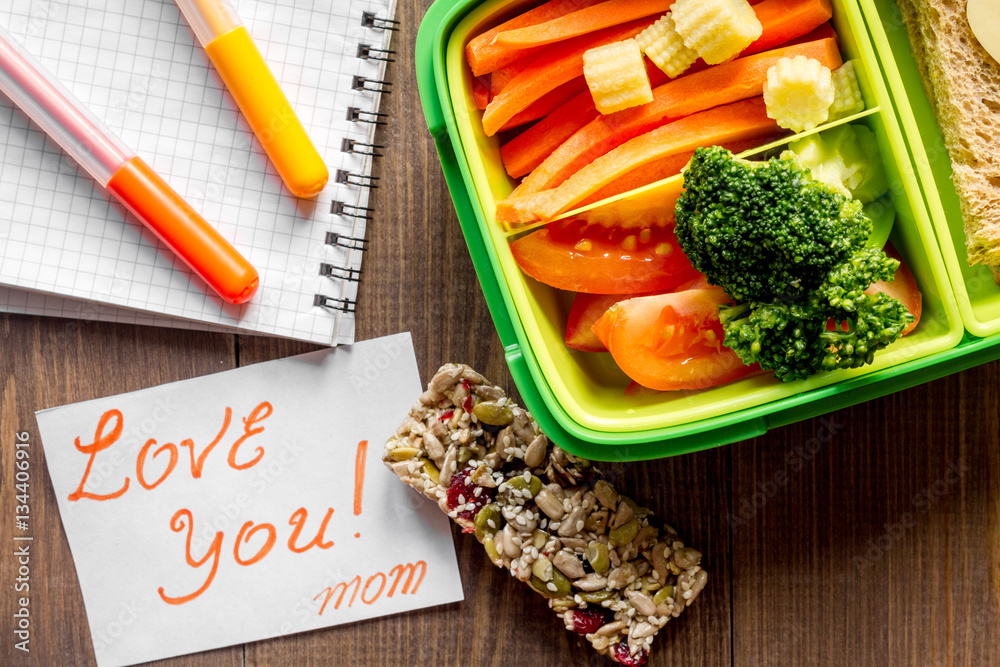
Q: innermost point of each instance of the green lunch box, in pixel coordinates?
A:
(577, 397)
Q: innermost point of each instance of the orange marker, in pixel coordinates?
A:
(124, 174)
(257, 93)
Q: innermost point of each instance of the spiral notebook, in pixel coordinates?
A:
(66, 249)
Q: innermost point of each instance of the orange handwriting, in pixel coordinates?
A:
(359, 475)
(101, 442)
(104, 440)
(245, 536)
(197, 465)
(370, 598)
(298, 519)
(177, 525)
(246, 533)
(248, 431)
(140, 465)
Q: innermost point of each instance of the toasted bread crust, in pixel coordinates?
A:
(962, 81)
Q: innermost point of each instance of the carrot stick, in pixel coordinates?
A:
(601, 15)
(484, 58)
(528, 149)
(823, 31)
(520, 210)
(722, 84)
(784, 20)
(659, 170)
(501, 77)
(481, 91)
(516, 211)
(548, 102)
(554, 66)
(743, 120)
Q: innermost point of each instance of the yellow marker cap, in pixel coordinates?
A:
(246, 75)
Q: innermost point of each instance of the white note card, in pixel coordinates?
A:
(246, 504)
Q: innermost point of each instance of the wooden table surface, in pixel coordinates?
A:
(870, 536)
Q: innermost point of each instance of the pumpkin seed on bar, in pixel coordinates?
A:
(490, 413)
(559, 582)
(596, 596)
(663, 594)
(597, 555)
(488, 513)
(431, 470)
(403, 453)
(624, 533)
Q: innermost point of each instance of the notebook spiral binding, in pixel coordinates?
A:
(360, 116)
(371, 85)
(344, 305)
(348, 145)
(352, 146)
(372, 20)
(367, 52)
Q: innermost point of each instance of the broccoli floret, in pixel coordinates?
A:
(798, 338)
(792, 253)
(760, 229)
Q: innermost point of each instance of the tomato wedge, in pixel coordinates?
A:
(585, 311)
(588, 308)
(672, 341)
(578, 257)
(902, 288)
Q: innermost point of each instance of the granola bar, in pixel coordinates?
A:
(608, 568)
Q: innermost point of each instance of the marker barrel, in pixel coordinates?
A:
(58, 112)
(209, 18)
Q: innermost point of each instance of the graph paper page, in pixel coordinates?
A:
(138, 67)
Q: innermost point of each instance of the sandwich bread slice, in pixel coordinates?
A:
(962, 81)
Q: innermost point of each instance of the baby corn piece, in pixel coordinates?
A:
(716, 30)
(664, 46)
(617, 76)
(798, 93)
(847, 98)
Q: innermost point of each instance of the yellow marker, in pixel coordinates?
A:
(257, 93)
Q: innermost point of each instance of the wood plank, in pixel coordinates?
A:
(877, 545)
(49, 362)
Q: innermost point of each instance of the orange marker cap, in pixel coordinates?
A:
(162, 210)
